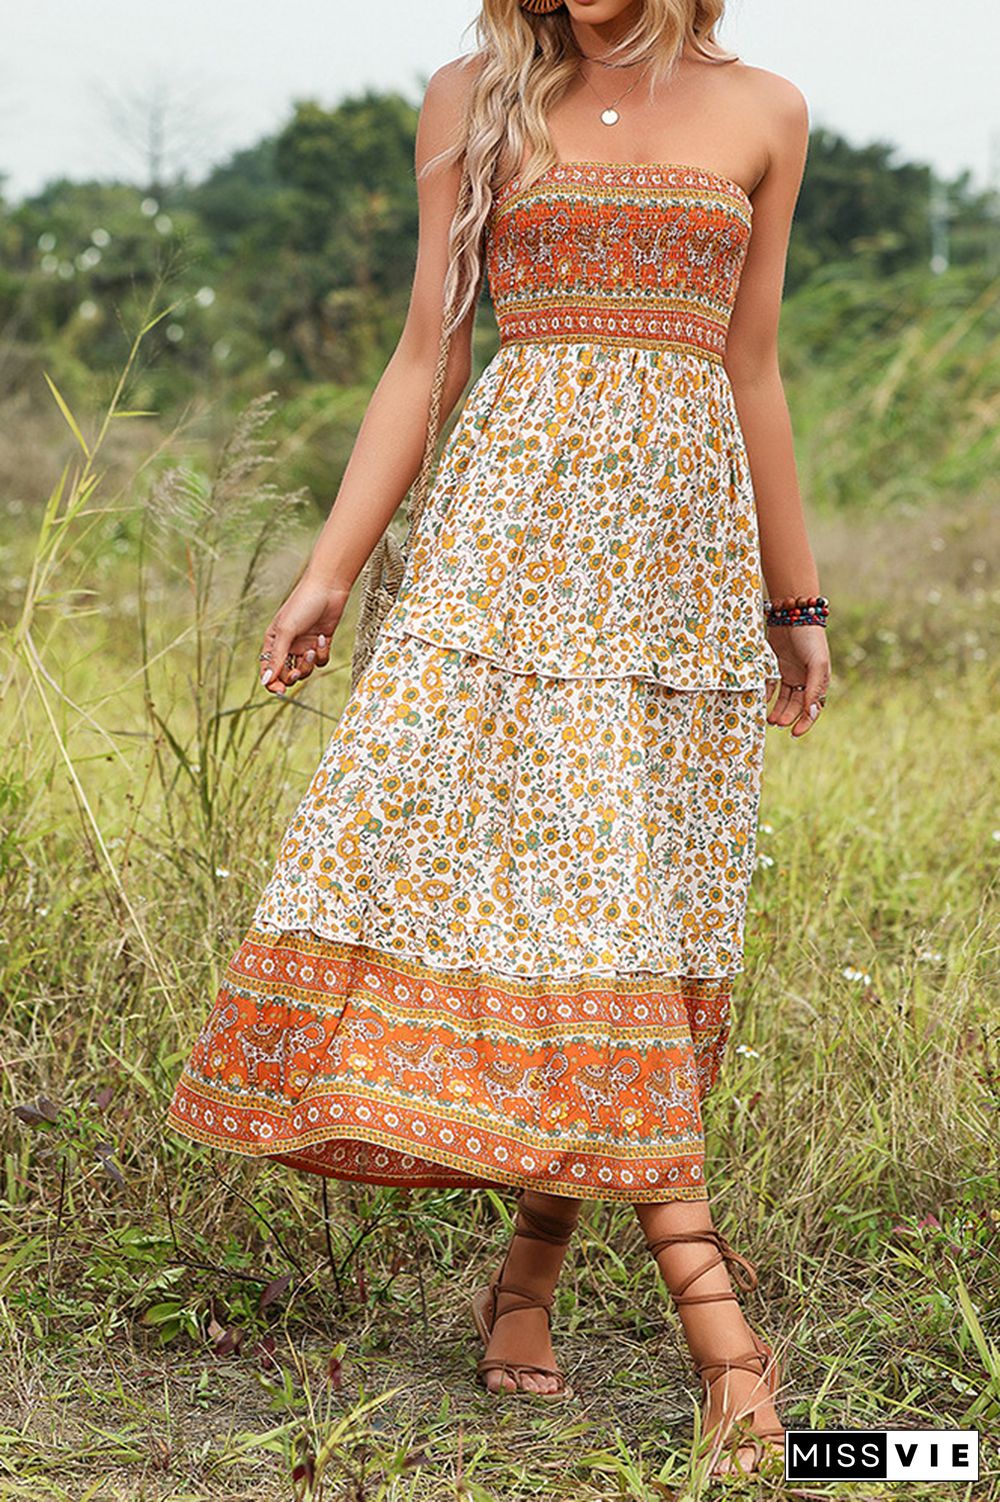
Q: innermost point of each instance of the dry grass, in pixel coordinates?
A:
(143, 787)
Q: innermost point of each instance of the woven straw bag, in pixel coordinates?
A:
(383, 572)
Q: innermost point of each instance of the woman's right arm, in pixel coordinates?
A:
(389, 446)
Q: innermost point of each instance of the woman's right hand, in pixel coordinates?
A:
(298, 638)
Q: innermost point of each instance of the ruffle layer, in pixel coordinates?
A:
(472, 818)
(592, 515)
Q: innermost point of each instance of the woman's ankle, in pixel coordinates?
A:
(543, 1228)
(692, 1265)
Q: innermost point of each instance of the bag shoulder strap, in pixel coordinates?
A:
(421, 485)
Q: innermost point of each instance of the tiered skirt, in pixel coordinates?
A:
(500, 936)
(499, 941)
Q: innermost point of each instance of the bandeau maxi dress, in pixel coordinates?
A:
(499, 940)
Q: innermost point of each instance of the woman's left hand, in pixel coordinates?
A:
(804, 662)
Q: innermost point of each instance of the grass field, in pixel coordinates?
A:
(181, 1325)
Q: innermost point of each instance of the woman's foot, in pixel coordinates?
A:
(521, 1335)
(737, 1401)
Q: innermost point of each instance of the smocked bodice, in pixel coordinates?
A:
(629, 253)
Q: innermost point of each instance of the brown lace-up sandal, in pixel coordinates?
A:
(484, 1307)
(761, 1361)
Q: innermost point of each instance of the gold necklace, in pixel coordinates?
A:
(609, 113)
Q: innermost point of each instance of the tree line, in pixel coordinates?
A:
(292, 260)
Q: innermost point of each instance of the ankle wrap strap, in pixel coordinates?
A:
(747, 1361)
(527, 1298)
(743, 1272)
(541, 1227)
(534, 1225)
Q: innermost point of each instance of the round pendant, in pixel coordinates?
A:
(610, 117)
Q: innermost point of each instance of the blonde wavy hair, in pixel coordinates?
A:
(525, 63)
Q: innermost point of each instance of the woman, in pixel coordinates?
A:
(500, 936)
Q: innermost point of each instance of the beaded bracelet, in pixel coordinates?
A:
(797, 610)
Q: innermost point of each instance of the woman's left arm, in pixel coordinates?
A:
(752, 365)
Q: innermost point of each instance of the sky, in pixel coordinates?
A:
(228, 70)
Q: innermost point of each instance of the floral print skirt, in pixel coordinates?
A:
(499, 940)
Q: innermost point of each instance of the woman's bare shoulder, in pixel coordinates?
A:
(444, 111)
(452, 82)
(771, 96)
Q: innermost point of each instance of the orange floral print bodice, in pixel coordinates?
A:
(634, 255)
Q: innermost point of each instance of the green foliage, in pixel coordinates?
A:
(320, 228)
(862, 211)
(894, 385)
(88, 257)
